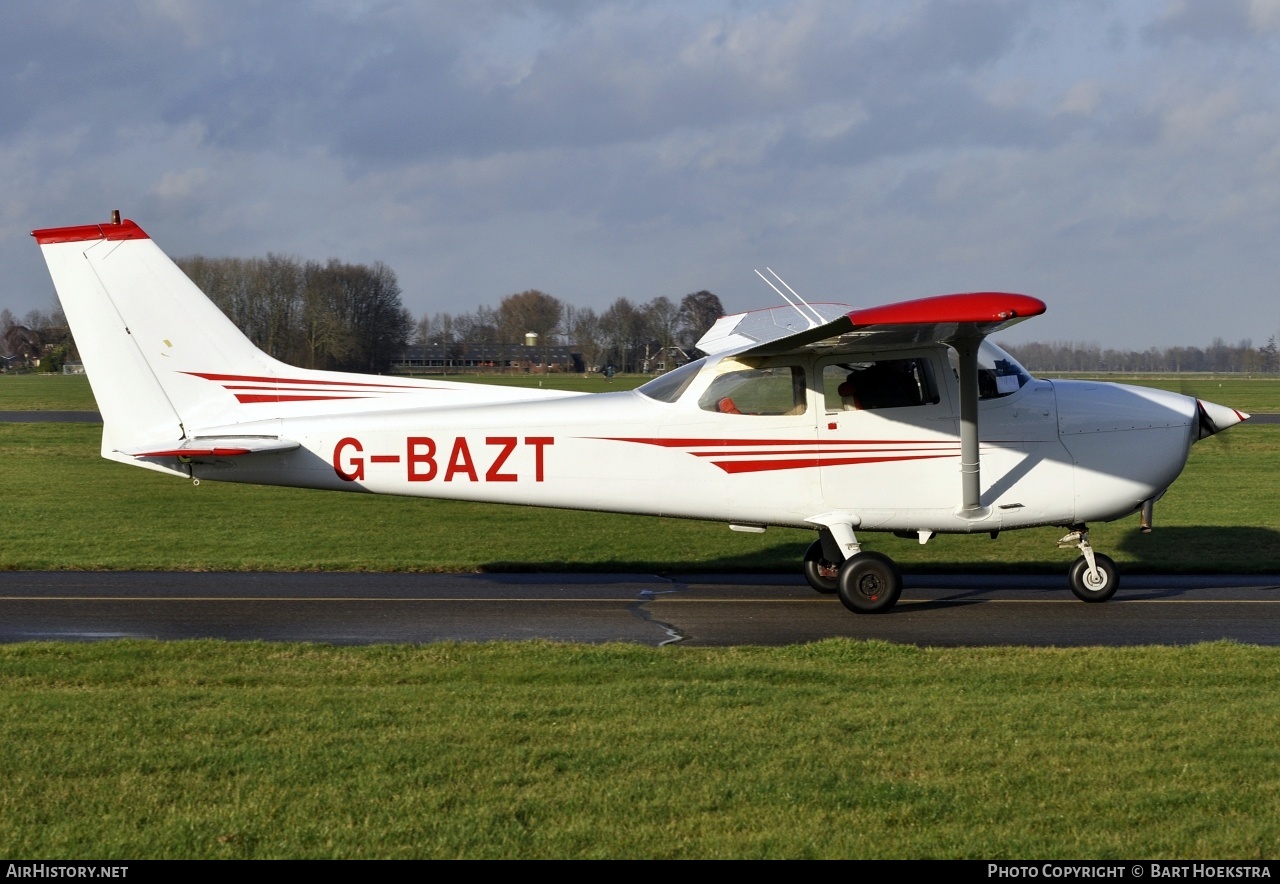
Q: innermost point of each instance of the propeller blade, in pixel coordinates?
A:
(1215, 418)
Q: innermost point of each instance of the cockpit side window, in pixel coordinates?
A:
(757, 391)
(881, 383)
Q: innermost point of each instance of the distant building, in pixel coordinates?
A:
(664, 360)
(478, 358)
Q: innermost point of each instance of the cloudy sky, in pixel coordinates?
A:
(1119, 160)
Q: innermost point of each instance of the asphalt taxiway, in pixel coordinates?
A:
(341, 608)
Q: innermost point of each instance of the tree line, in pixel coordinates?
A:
(350, 317)
(1217, 357)
(335, 316)
(629, 337)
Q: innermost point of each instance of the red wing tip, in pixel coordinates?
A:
(89, 232)
(977, 307)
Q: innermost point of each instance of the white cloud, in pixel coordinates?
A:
(182, 185)
(604, 149)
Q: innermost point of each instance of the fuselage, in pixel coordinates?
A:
(781, 445)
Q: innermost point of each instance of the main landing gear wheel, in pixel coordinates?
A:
(821, 574)
(869, 583)
(1091, 588)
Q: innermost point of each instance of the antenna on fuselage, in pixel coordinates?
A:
(813, 317)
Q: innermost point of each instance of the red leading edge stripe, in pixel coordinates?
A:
(88, 232)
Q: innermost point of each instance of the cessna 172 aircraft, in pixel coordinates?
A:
(901, 418)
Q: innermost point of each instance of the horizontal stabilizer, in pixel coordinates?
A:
(221, 446)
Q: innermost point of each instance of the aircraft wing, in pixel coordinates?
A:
(211, 446)
(944, 318)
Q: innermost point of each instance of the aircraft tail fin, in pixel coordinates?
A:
(166, 365)
(144, 332)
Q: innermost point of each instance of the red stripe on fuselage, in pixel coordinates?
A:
(250, 398)
(760, 466)
(854, 448)
(257, 379)
(703, 443)
(355, 389)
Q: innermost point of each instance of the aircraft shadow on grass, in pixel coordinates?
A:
(1204, 549)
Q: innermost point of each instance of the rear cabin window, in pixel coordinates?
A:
(761, 391)
(883, 383)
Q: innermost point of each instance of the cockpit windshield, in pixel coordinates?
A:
(999, 374)
(668, 387)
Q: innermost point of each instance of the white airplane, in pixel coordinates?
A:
(901, 418)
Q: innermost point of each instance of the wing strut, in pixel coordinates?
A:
(960, 320)
(970, 465)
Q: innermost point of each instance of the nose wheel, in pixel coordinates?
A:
(1093, 577)
(1096, 584)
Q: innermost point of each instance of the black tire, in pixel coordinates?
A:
(869, 583)
(1088, 591)
(820, 573)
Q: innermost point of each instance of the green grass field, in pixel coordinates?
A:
(45, 392)
(833, 750)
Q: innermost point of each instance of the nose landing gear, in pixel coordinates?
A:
(1093, 577)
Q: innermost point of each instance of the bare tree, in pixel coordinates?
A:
(529, 311)
(587, 334)
(332, 315)
(622, 326)
(662, 318)
(698, 312)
